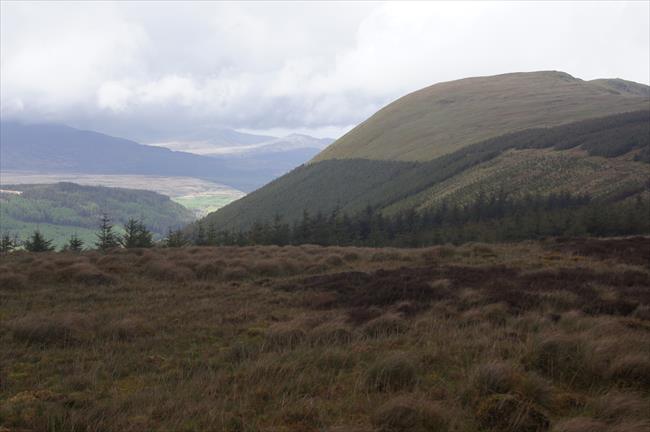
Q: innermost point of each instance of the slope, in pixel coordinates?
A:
(616, 148)
(62, 209)
(50, 148)
(448, 116)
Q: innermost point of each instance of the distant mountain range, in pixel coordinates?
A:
(268, 145)
(521, 133)
(51, 148)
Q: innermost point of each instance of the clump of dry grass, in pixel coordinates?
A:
(410, 414)
(615, 406)
(127, 329)
(11, 281)
(560, 356)
(164, 270)
(631, 369)
(631, 426)
(84, 273)
(389, 324)
(51, 330)
(236, 273)
(286, 335)
(580, 424)
(508, 413)
(494, 377)
(397, 371)
(332, 333)
(209, 269)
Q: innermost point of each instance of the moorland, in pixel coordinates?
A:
(530, 336)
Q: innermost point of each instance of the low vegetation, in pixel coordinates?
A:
(534, 336)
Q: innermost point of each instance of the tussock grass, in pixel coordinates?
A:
(308, 338)
(410, 414)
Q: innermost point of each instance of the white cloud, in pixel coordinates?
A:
(136, 68)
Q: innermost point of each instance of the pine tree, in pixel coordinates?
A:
(175, 238)
(38, 243)
(200, 239)
(106, 238)
(8, 244)
(75, 244)
(136, 235)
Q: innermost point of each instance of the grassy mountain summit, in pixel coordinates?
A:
(446, 117)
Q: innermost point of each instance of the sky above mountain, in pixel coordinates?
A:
(144, 68)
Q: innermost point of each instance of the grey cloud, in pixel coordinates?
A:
(145, 69)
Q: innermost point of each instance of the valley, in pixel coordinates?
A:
(200, 196)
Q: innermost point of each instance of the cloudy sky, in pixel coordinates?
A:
(152, 71)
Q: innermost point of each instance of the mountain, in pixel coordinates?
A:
(218, 147)
(445, 117)
(48, 148)
(62, 209)
(523, 133)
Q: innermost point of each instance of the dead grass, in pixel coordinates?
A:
(410, 414)
(309, 338)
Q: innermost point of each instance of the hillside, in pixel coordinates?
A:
(51, 148)
(445, 117)
(62, 209)
(607, 158)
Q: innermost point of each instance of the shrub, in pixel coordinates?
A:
(507, 413)
(394, 372)
(407, 414)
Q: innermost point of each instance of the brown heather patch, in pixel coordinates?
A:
(633, 250)
(167, 271)
(84, 273)
(51, 330)
(11, 281)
